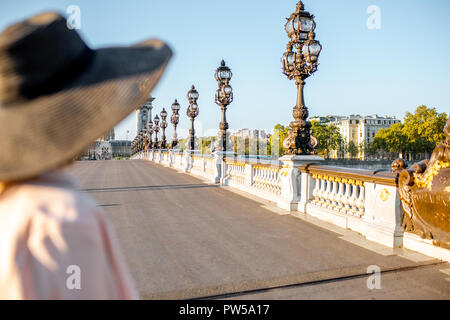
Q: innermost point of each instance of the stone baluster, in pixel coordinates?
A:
(361, 199)
(327, 193)
(257, 177)
(248, 173)
(346, 199)
(340, 196)
(315, 192)
(322, 190)
(272, 179)
(333, 193)
(353, 198)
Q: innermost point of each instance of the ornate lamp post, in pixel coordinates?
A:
(192, 113)
(300, 62)
(150, 133)
(140, 141)
(224, 96)
(163, 126)
(156, 130)
(144, 139)
(174, 120)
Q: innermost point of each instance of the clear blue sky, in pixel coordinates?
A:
(388, 71)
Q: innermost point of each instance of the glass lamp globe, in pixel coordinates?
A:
(312, 49)
(299, 24)
(223, 73)
(193, 94)
(288, 61)
(227, 90)
(175, 106)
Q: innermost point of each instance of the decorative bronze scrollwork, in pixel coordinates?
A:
(425, 195)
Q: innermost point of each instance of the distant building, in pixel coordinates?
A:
(359, 129)
(143, 114)
(110, 135)
(120, 148)
(326, 119)
(106, 148)
(99, 150)
(250, 133)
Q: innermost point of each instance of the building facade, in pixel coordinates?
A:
(250, 133)
(361, 130)
(107, 148)
(120, 148)
(143, 114)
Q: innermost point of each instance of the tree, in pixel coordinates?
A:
(393, 139)
(352, 149)
(182, 144)
(276, 139)
(420, 133)
(424, 129)
(205, 144)
(329, 138)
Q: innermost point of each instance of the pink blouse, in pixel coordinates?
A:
(56, 244)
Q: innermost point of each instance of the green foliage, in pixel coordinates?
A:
(424, 129)
(276, 140)
(329, 138)
(421, 132)
(181, 144)
(352, 149)
(204, 144)
(249, 146)
(392, 139)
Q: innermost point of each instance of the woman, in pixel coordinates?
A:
(56, 97)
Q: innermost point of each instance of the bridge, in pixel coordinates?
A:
(196, 226)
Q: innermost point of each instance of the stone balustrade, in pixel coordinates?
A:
(235, 173)
(339, 194)
(365, 201)
(267, 178)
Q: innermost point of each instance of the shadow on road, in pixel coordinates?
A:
(163, 187)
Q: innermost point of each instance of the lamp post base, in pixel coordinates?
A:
(294, 186)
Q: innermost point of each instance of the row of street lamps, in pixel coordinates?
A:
(299, 62)
(223, 97)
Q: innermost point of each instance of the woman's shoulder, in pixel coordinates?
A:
(51, 197)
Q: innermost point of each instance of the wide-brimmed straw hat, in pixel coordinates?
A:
(57, 95)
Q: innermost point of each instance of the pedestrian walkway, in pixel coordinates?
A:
(184, 238)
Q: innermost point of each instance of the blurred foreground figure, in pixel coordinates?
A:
(56, 97)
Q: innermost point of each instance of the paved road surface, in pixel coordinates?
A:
(184, 238)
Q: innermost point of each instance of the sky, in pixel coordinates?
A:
(386, 71)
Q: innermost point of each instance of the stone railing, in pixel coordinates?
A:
(365, 201)
(340, 194)
(267, 178)
(235, 173)
(259, 179)
(362, 200)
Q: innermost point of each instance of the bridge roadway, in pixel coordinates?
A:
(184, 238)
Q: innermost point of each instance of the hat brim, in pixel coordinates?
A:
(41, 134)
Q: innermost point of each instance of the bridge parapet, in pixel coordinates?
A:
(365, 201)
(362, 200)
